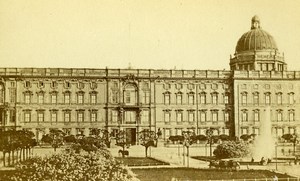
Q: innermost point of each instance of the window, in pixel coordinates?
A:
(291, 98)
(93, 85)
(130, 93)
(191, 116)
(115, 97)
(203, 98)
(226, 116)
(279, 115)
(93, 98)
(27, 98)
(80, 85)
(27, 84)
(191, 98)
(53, 116)
(202, 86)
(146, 97)
(167, 116)
(41, 84)
(256, 115)
(67, 97)
(256, 131)
(226, 99)
(27, 116)
(53, 98)
(244, 98)
(267, 98)
(130, 117)
(167, 133)
(145, 116)
(167, 98)
(279, 98)
(244, 131)
(191, 86)
(178, 131)
(40, 117)
(214, 98)
(202, 116)
(67, 85)
(256, 98)
(179, 98)
(67, 116)
(244, 115)
(179, 116)
(114, 115)
(279, 132)
(53, 84)
(179, 86)
(12, 95)
(291, 115)
(80, 97)
(80, 116)
(167, 86)
(40, 97)
(93, 116)
(292, 131)
(214, 115)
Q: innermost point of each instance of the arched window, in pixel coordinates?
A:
(130, 95)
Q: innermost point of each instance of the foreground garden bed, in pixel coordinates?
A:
(140, 161)
(169, 174)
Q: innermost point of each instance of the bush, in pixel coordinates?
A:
(176, 138)
(231, 149)
(69, 166)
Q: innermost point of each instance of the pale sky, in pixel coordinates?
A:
(148, 34)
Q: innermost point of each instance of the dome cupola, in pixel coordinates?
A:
(257, 50)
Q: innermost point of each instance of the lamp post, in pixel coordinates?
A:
(276, 155)
(187, 141)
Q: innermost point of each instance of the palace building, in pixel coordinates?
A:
(231, 101)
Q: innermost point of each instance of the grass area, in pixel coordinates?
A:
(140, 161)
(169, 174)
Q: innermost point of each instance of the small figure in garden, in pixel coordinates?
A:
(252, 160)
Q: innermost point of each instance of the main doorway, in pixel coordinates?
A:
(131, 135)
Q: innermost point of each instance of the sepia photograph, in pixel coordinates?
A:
(149, 90)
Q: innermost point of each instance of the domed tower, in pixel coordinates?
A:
(257, 50)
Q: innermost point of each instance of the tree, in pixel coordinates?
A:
(147, 138)
(231, 149)
(121, 141)
(55, 138)
(245, 137)
(292, 138)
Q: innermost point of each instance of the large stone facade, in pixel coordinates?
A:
(231, 101)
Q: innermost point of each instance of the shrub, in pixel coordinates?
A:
(94, 166)
(231, 149)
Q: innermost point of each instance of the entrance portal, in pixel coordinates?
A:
(131, 135)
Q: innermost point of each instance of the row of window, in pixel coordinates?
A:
(54, 84)
(202, 98)
(167, 132)
(278, 131)
(80, 117)
(279, 115)
(202, 116)
(66, 95)
(190, 86)
(267, 97)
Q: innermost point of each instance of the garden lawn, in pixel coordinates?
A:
(140, 161)
(168, 174)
